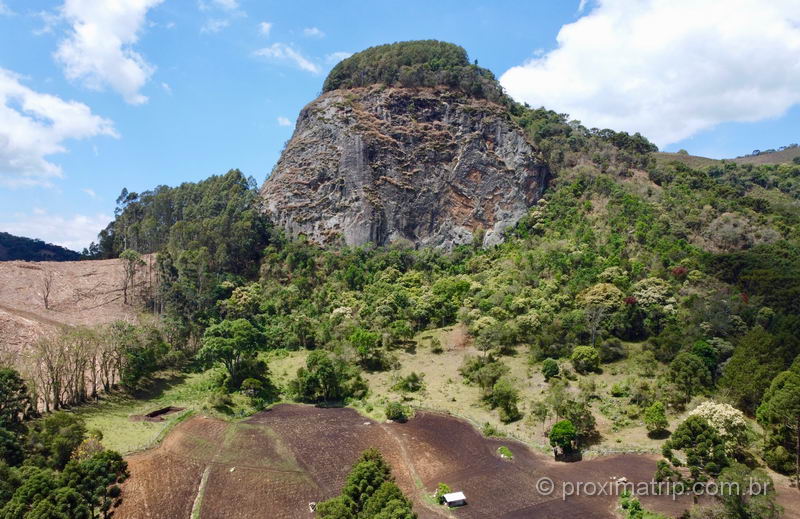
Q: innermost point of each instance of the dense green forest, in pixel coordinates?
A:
(29, 249)
(700, 267)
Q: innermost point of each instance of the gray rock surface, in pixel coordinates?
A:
(385, 164)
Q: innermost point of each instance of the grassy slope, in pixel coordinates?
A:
(778, 157)
(444, 391)
(111, 415)
(694, 161)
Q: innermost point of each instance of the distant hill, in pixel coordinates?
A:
(29, 249)
(784, 156)
(771, 157)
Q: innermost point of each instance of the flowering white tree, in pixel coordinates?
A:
(728, 421)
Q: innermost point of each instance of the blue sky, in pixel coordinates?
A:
(166, 91)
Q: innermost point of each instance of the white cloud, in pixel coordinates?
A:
(166, 87)
(90, 192)
(34, 125)
(98, 50)
(281, 52)
(73, 232)
(222, 14)
(336, 57)
(313, 32)
(5, 10)
(265, 28)
(669, 68)
(284, 121)
(213, 25)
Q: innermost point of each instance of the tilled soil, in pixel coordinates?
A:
(277, 462)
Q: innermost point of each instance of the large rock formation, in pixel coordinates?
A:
(378, 164)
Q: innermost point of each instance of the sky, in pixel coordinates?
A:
(97, 95)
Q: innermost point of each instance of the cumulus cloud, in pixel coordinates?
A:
(284, 121)
(336, 57)
(313, 32)
(98, 50)
(33, 126)
(283, 53)
(73, 232)
(669, 68)
(265, 28)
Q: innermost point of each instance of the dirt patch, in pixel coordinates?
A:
(158, 415)
(280, 460)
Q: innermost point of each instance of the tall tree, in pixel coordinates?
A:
(781, 407)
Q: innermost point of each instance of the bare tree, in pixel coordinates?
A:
(131, 261)
(46, 283)
(595, 316)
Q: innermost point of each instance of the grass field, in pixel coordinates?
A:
(193, 391)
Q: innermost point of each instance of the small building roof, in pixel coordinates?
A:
(454, 496)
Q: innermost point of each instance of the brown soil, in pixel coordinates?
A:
(277, 462)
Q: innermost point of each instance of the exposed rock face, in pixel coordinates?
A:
(381, 164)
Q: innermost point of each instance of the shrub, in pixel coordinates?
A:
(396, 412)
(611, 350)
(436, 346)
(441, 490)
(655, 418)
(585, 359)
(550, 368)
(411, 383)
(505, 452)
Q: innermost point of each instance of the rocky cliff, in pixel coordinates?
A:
(431, 165)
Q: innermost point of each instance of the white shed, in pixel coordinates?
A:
(455, 499)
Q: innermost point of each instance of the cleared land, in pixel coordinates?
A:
(276, 462)
(84, 293)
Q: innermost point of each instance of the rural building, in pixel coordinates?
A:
(455, 499)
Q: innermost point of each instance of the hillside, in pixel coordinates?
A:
(786, 156)
(27, 249)
(81, 293)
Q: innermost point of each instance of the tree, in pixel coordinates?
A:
(96, 477)
(326, 378)
(46, 287)
(689, 374)
(15, 402)
(131, 261)
(703, 449)
(230, 342)
(366, 345)
(549, 368)
(563, 436)
(729, 422)
(780, 408)
(505, 396)
(655, 418)
(53, 439)
(748, 494)
(369, 492)
(585, 359)
(541, 411)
